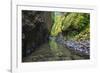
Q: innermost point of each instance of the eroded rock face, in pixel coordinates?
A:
(34, 30)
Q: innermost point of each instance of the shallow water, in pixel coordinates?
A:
(47, 53)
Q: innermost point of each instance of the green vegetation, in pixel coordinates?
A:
(43, 30)
(57, 25)
(73, 26)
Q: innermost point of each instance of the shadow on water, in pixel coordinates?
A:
(56, 51)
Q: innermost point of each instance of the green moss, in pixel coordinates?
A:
(68, 21)
(83, 35)
(74, 26)
(56, 28)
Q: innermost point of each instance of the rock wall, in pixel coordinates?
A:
(35, 30)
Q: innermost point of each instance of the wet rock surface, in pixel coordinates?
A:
(71, 51)
(81, 47)
(36, 38)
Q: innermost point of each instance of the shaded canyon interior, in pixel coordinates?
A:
(37, 40)
(35, 30)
